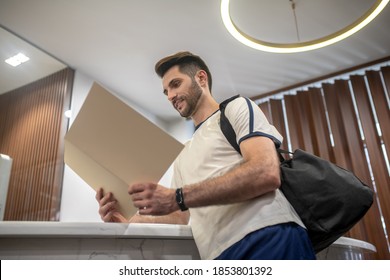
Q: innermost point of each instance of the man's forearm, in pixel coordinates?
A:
(233, 187)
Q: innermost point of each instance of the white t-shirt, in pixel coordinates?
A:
(208, 154)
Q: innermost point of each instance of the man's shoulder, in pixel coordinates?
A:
(237, 105)
(236, 99)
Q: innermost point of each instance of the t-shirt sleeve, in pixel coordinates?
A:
(248, 120)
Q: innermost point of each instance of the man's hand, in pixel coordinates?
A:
(153, 199)
(108, 207)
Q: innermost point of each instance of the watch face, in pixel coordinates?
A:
(180, 199)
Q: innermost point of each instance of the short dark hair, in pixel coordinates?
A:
(188, 64)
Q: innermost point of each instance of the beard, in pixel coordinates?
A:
(194, 94)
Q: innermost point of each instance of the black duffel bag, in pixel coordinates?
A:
(330, 200)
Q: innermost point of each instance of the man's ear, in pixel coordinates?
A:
(202, 78)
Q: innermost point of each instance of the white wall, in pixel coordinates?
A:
(78, 202)
(5, 173)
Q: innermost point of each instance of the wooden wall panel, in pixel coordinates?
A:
(373, 143)
(372, 138)
(340, 147)
(354, 143)
(318, 124)
(294, 122)
(381, 105)
(32, 128)
(309, 128)
(385, 71)
(265, 108)
(303, 112)
(370, 228)
(340, 108)
(277, 119)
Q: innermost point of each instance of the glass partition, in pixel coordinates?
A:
(34, 94)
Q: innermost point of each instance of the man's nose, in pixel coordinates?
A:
(171, 95)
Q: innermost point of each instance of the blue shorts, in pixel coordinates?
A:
(279, 242)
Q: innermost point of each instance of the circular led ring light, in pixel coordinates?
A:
(244, 38)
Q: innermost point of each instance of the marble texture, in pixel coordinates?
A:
(115, 241)
(87, 241)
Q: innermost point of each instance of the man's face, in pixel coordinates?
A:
(182, 91)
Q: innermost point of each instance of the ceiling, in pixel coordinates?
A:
(118, 42)
(40, 65)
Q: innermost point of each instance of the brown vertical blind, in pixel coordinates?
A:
(346, 122)
(381, 106)
(32, 128)
(277, 119)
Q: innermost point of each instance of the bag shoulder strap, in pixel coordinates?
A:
(230, 134)
(225, 125)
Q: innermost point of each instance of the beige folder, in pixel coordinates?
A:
(110, 145)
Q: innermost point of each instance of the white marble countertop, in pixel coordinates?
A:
(22, 229)
(96, 229)
(351, 242)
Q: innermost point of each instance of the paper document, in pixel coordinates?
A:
(110, 145)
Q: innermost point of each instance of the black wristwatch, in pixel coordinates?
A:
(180, 199)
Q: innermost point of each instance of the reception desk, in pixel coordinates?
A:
(111, 241)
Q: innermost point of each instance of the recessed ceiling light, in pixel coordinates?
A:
(17, 59)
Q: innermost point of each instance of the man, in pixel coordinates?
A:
(237, 210)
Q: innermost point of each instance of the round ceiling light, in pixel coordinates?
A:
(245, 39)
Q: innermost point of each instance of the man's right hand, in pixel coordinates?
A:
(108, 207)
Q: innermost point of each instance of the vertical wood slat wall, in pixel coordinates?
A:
(339, 122)
(32, 129)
